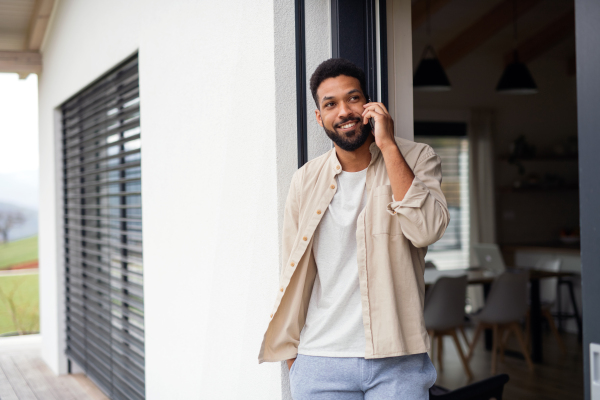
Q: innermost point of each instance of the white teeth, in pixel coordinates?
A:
(348, 125)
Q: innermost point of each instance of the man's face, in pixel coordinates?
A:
(341, 106)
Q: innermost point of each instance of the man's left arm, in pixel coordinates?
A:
(418, 200)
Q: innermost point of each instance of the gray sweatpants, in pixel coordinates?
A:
(357, 378)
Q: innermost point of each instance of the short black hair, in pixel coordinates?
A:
(336, 67)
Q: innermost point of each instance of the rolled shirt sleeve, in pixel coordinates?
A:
(423, 212)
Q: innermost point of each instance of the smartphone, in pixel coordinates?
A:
(371, 120)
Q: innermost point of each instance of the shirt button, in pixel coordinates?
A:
(337, 167)
(332, 186)
(271, 315)
(281, 289)
(292, 264)
(305, 238)
(318, 211)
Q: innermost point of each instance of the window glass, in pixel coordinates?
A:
(452, 250)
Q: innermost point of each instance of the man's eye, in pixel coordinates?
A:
(354, 98)
(329, 104)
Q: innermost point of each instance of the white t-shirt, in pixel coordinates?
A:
(334, 323)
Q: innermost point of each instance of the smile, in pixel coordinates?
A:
(348, 125)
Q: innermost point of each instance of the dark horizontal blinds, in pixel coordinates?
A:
(101, 142)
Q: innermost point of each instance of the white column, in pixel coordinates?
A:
(400, 71)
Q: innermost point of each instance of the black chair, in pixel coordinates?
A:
(487, 389)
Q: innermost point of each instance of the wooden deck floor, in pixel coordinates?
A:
(559, 377)
(24, 376)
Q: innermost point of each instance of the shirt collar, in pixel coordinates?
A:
(336, 166)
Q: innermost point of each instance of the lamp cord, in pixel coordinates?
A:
(515, 32)
(515, 16)
(428, 24)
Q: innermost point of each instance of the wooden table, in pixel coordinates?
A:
(478, 276)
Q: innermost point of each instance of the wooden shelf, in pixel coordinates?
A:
(535, 189)
(543, 157)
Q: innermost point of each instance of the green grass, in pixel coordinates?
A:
(18, 252)
(19, 300)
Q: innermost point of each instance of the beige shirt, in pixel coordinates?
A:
(392, 239)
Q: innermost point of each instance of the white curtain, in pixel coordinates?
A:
(483, 219)
(481, 181)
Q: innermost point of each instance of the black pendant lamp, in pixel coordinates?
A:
(430, 75)
(516, 78)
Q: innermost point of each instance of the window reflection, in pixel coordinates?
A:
(133, 145)
(111, 151)
(132, 132)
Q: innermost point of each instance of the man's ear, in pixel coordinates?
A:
(318, 116)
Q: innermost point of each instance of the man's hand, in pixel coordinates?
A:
(384, 124)
(290, 362)
(400, 174)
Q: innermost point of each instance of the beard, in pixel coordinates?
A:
(351, 140)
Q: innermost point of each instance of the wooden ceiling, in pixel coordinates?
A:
(463, 27)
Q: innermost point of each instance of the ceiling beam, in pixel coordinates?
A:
(39, 23)
(543, 40)
(21, 62)
(481, 30)
(419, 11)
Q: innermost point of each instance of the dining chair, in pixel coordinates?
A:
(445, 314)
(505, 306)
(548, 290)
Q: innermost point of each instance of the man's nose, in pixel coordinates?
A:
(344, 109)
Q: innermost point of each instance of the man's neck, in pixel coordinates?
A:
(357, 160)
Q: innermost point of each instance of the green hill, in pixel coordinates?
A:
(18, 251)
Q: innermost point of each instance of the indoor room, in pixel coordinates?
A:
(495, 96)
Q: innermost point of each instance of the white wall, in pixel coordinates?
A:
(285, 106)
(73, 57)
(212, 189)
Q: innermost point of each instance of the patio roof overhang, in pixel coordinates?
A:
(23, 25)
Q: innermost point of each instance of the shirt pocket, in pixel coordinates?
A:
(383, 221)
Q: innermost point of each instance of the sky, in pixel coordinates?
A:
(19, 140)
(18, 124)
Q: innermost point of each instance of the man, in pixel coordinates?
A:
(348, 317)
